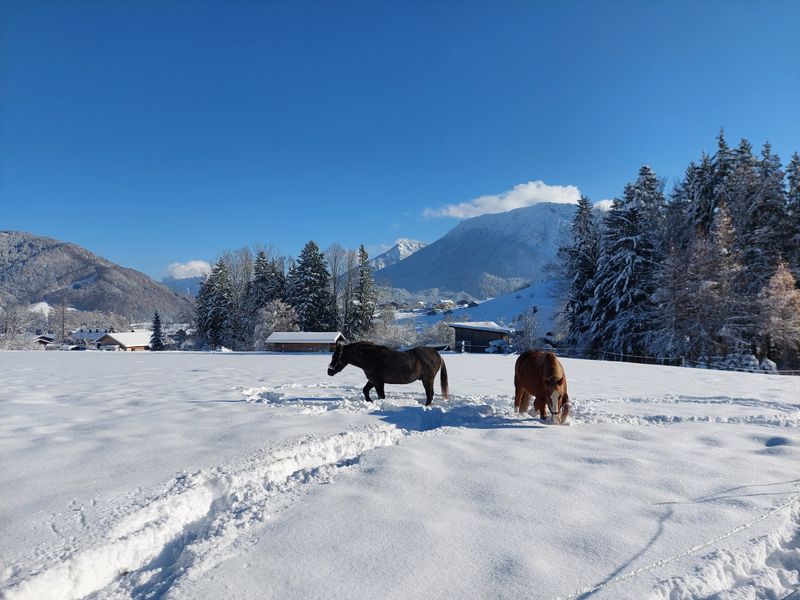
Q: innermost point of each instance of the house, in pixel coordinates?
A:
(86, 337)
(131, 341)
(43, 340)
(304, 341)
(477, 336)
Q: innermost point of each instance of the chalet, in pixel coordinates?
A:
(477, 336)
(130, 341)
(43, 340)
(304, 341)
(86, 337)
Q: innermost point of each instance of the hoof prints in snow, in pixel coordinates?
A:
(463, 410)
(196, 518)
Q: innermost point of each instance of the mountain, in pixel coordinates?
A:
(486, 255)
(40, 269)
(185, 286)
(400, 251)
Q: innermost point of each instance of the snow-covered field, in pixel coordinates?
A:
(258, 476)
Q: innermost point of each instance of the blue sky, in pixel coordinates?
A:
(154, 132)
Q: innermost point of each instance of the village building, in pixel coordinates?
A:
(130, 341)
(478, 336)
(304, 341)
(86, 337)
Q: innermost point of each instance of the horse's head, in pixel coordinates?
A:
(555, 386)
(338, 361)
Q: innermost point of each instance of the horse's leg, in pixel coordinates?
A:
(366, 390)
(427, 383)
(519, 391)
(541, 406)
(379, 389)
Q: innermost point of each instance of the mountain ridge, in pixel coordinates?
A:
(37, 268)
(486, 255)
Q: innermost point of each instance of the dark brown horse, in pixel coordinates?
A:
(384, 365)
(540, 374)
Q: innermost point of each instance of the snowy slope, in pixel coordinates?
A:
(503, 309)
(229, 475)
(402, 249)
(486, 254)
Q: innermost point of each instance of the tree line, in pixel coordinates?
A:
(707, 273)
(246, 298)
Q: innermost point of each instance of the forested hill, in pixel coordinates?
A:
(41, 269)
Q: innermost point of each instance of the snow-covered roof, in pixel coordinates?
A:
(128, 339)
(304, 337)
(481, 326)
(87, 335)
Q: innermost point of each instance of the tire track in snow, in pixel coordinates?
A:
(195, 517)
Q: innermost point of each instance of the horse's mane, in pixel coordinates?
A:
(548, 364)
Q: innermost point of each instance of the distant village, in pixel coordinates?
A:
(478, 336)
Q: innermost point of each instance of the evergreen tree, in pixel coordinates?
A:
(580, 260)
(631, 249)
(702, 195)
(268, 282)
(214, 307)
(157, 338)
(366, 296)
(309, 290)
(792, 250)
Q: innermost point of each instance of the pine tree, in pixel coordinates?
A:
(268, 282)
(214, 307)
(580, 266)
(157, 338)
(624, 311)
(792, 250)
(309, 290)
(366, 296)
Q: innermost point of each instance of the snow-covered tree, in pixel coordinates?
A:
(792, 251)
(309, 290)
(579, 265)
(365, 297)
(780, 316)
(631, 249)
(157, 338)
(214, 307)
(268, 283)
(525, 327)
(275, 316)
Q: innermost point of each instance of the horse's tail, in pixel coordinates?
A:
(443, 381)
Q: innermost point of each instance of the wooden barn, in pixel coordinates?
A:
(304, 341)
(130, 341)
(477, 336)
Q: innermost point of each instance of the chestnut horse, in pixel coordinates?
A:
(540, 374)
(384, 365)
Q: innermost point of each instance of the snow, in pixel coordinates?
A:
(304, 337)
(42, 308)
(128, 339)
(481, 326)
(207, 475)
(504, 309)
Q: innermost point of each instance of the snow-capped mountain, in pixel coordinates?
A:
(186, 286)
(400, 251)
(487, 255)
(36, 269)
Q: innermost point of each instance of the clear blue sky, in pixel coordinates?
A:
(153, 132)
